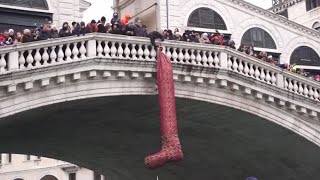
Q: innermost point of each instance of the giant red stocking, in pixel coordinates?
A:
(171, 148)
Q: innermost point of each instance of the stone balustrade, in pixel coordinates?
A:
(28, 56)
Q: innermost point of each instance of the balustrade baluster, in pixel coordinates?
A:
(83, 50)
(193, 57)
(140, 52)
(235, 65)
(37, 58)
(53, 55)
(187, 56)
(198, 58)
(22, 60)
(181, 56)
(168, 53)
(300, 90)
(68, 53)
(251, 70)
(127, 51)
(295, 86)
(290, 87)
(146, 53)
(273, 78)
(216, 59)
(30, 59)
(134, 52)
(60, 54)
(230, 63)
(153, 54)
(113, 50)
(262, 75)
(174, 55)
(240, 68)
(316, 94)
(75, 51)
(120, 51)
(246, 68)
(306, 91)
(3, 63)
(204, 59)
(106, 49)
(99, 49)
(210, 59)
(257, 73)
(268, 77)
(286, 84)
(311, 92)
(45, 56)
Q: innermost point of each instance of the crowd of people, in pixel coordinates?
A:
(136, 27)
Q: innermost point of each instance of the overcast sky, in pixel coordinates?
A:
(101, 8)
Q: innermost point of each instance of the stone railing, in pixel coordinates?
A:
(52, 52)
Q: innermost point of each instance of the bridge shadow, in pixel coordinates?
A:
(112, 135)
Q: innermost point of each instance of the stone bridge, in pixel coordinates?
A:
(42, 77)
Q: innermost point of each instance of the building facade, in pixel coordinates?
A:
(288, 41)
(27, 167)
(305, 12)
(32, 13)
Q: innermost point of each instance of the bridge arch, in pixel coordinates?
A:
(259, 38)
(213, 21)
(97, 87)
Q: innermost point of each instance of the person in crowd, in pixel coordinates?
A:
(54, 32)
(44, 33)
(73, 25)
(103, 20)
(194, 37)
(115, 19)
(302, 72)
(1, 40)
(35, 34)
(8, 40)
(27, 36)
(177, 36)
(249, 50)
(81, 30)
(130, 29)
(65, 31)
(116, 28)
(125, 20)
(155, 35)
(263, 56)
(170, 35)
(217, 38)
(241, 48)
(293, 68)
(108, 28)
(270, 60)
(204, 38)
(101, 28)
(284, 66)
(231, 44)
(92, 26)
(138, 28)
(19, 37)
(185, 37)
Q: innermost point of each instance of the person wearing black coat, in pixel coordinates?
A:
(81, 29)
(129, 30)
(153, 36)
(65, 31)
(44, 34)
(116, 29)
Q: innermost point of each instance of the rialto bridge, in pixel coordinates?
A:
(91, 100)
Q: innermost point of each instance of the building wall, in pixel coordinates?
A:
(299, 14)
(35, 168)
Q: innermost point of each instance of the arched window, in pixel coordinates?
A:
(206, 18)
(18, 179)
(258, 37)
(316, 26)
(49, 177)
(306, 56)
(36, 4)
